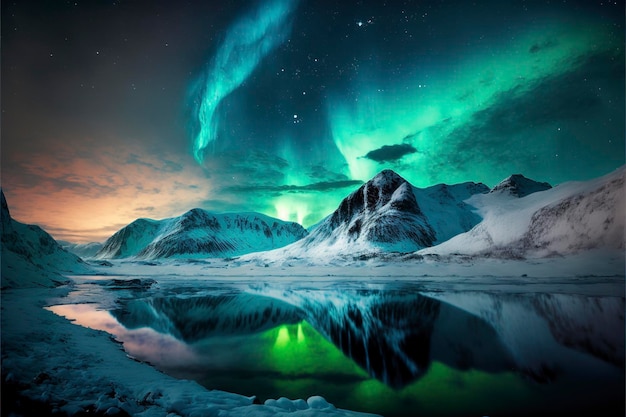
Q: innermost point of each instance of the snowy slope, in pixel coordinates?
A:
(199, 233)
(388, 214)
(569, 218)
(84, 250)
(31, 257)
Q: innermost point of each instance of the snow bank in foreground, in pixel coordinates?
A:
(50, 365)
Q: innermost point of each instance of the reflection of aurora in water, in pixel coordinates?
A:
(418, 349)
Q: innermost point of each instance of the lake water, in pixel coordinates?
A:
(395, 349)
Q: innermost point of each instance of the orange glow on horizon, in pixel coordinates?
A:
(82, 197)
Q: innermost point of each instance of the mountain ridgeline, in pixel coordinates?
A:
(199, 233)
(519, 217)
(388, 214)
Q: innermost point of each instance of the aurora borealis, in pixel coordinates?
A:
(115, 110)
(245, 45)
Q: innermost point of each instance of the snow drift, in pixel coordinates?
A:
(31, 257)
(199, 233)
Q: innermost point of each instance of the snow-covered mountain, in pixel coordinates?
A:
(518, 185)
(388, 214)
(31, 257)
(199, 233)
(84, 250)
(569, 218)
(518, 218)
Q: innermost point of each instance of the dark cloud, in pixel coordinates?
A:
(389, 153)
(182, 186)
(321, 173)
(541, 46)
(148, 208)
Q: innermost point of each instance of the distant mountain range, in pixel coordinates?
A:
(199, 233)
(84, 250)
(518, 218)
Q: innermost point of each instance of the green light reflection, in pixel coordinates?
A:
(311, 365)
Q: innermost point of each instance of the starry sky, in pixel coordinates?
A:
(115, 110)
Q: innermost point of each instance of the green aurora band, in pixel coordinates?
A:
(433, 113)
(513, 104)
(441, 116)
(246, 43)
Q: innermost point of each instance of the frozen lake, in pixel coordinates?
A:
(453, 346)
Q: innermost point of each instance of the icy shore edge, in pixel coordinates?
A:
(53, 367)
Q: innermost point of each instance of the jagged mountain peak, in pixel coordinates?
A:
(386, 176)
(519, 186)
(388, 214)
(197, 217)
(5, 207)
(387, 190)
(382, 186)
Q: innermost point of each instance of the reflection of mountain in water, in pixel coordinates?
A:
(195, 318)
(550, 334)
(396, 335)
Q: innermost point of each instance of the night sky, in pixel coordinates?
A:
(117, 110)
